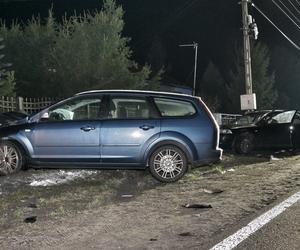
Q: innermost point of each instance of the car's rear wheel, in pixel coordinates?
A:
(168, 163)
(11, 158)
(244, 144)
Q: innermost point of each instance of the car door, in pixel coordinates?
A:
(131, 125)
(275, 132)
(69, 132)
(295, 130)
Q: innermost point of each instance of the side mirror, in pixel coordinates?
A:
(45, 116)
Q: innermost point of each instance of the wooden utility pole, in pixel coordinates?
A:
(247, 52)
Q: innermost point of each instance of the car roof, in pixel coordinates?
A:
(158, 93)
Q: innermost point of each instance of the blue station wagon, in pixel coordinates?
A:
(166, 132)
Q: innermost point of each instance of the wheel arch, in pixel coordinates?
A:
(22, 143)
(23, 155)
(190, 155)
(239, 136)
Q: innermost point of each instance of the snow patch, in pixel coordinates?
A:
(61, 177)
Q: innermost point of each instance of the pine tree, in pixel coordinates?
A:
(212, 87)
(7, 79)
(286, 63)
(83, 52)
(263, 80)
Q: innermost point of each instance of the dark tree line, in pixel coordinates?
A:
(82, 52)
(58, 57)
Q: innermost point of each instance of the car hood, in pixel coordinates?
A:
(6, 120)
(248, 126)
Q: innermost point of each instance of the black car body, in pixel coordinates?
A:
(11, 118)
(275, 130)
(249, 118)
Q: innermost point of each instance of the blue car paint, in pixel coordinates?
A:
(66, 140)
(121, 142)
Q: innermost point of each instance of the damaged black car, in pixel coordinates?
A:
(275, 130)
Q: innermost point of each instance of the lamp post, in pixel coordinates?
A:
(195, 46)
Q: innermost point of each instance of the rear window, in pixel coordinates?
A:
(174, 108)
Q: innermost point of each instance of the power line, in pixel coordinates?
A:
(286, 9)
(291, 3)
(297, 2)
(278, 6)
(281, 32)
(180, 13)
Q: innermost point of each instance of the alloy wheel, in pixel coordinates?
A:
(9, 159)
(168, 163)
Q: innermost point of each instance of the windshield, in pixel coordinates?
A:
(278, 117)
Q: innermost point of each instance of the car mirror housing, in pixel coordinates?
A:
(45, 116)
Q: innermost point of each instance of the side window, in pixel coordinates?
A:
(127, 107)
(82, 108)
(174, 108)
(297, 118)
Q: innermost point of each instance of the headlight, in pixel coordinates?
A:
(225, 131)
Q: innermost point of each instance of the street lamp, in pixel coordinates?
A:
(195, 46)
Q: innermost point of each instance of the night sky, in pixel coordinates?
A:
(157, 27)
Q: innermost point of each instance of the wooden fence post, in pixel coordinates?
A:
(20, 103)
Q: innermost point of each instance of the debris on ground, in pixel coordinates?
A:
(224, 171)
(32, 205)
(153, 239)
(30, 219)
(213, 191)
(126, 195)
(197, 205)
(273, 158)
(230, 170)
(185, 234)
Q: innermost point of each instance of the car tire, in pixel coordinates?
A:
(11, 158)
(243, 144)
(168, 163)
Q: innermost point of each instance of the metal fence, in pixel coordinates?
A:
(225, 119)
(28, 105)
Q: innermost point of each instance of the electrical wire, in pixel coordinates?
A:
(289, 10)
(276, 27)
(180, 12)
(282, 10)
(291, 3)
(297, 2)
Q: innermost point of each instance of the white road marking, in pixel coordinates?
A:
(242, 234)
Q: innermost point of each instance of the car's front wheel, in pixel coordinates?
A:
(243, 144)
(11, 158)
(168, 163)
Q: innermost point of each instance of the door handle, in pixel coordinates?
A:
(146, 127)
(87, 128)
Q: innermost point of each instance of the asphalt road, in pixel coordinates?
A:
(283, 232)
